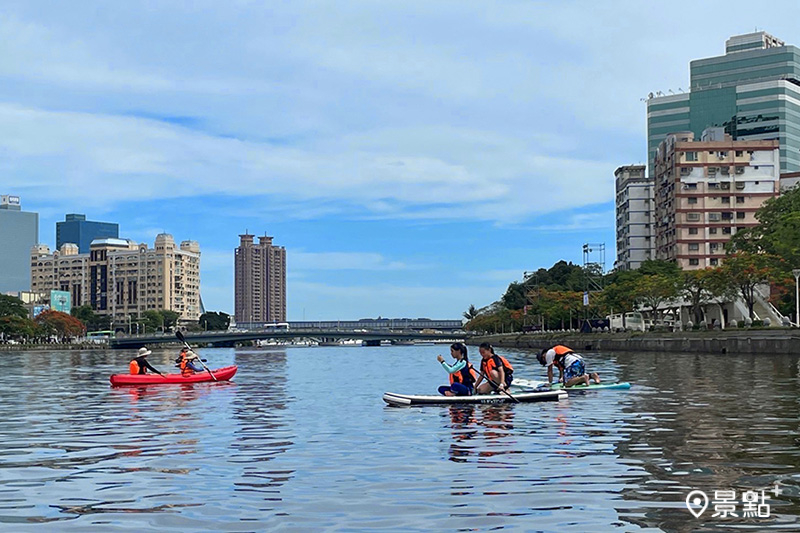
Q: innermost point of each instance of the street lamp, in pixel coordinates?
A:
(796, 273)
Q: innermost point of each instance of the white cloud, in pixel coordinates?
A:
(123, 157)
(302, 260)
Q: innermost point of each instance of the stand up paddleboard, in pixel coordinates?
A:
(394, 399)
(526, 385)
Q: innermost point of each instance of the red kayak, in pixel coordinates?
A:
(222, 374)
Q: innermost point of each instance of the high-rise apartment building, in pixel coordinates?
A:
(753, 92)
(634, 205)
(77, 230)
(707, 190)
(19, 231)
(260, 280)
(122, 279)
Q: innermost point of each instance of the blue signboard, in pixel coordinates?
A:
(61, 301)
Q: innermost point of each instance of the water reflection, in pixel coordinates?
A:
(713, 422)
(262, 433)
(296, 443)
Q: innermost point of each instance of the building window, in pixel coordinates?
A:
(714, 261)
(692, 217)
(691, 156)
(692, 231)
(740, 199)
(694, 262)
(739, 153)
(726, 231)
(693, 247)
(691, 185)
(740, 215)
(725, 199)
(712, 231)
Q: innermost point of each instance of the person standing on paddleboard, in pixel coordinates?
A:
(140, 365)
(462, 374)
(496, 369)
(571, 368)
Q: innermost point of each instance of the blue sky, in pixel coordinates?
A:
(412, 157)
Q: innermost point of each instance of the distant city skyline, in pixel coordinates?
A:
(411, 168)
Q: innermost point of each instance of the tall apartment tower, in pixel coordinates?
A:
(77, 230)
(634, 205)
(707, 190)
(122, 279)
(19, 232)
(260, 280)
(753, 92)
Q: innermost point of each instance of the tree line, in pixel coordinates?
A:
(16, 325)
(553, 298)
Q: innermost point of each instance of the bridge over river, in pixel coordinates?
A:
(231, 338)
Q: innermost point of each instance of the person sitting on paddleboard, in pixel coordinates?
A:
(462, 374)
(496, 369)
(187, 361)
(140, 365)
(571, 368)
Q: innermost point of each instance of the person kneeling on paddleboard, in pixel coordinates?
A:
(571, 368)
(140, 365)
(462, 373)
(188, 362)
(495, 368)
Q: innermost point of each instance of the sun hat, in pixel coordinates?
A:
(144, 351)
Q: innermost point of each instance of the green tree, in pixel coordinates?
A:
(152, 321)
(746, 270)
(12, 306)
(699, 288)
(15, 327)
(170, 319)
(514, 298)
(778, 231)
(656, 289)
(471, 313)
(214, 321)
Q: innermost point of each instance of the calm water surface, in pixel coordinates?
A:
(301, 441)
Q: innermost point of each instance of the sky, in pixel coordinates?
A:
(413, 157)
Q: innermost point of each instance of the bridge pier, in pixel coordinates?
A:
(372, 342)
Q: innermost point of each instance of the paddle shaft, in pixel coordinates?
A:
(181, 338)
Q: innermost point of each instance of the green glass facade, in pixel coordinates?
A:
(751, 91)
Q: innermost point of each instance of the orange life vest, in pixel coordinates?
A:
(134, 367)
(487, 365)
(186, 370)
(467, 375)
(562, 350)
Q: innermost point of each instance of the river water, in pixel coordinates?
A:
(301, 441)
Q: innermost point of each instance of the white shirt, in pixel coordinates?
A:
(569, 358)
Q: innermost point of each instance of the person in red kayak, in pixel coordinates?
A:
(140, 365)
(188, 362)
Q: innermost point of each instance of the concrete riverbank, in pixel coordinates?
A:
(50, 347)
(739, 341)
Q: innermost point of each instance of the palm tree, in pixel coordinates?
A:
(471, 313)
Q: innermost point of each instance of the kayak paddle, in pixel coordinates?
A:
(181, 338)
